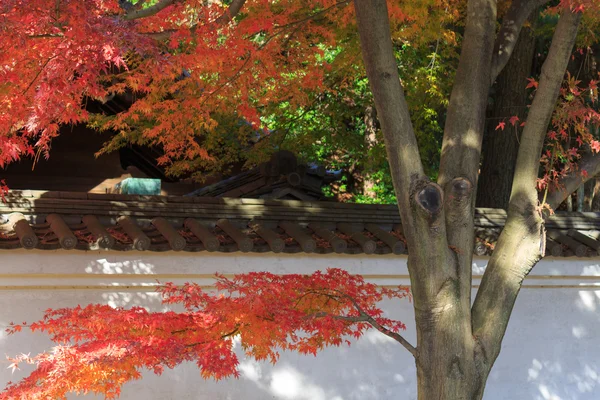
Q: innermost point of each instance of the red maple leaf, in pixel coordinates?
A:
(501, 125)
(532, 83)
(572, 152)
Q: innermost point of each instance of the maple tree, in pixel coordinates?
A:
(189, 61)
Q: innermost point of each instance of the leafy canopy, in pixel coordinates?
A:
(187, 67)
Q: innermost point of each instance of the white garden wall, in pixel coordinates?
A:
(551, 349)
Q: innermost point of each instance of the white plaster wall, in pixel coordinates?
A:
(551, 349)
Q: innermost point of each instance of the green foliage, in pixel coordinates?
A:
(331, 131)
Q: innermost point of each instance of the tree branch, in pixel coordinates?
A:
(223, 336)
(589, 162)
(522, 240)
(364, 317)
(126, 5)
(507, 37)
(37, 75)
(542, 107)
(392, 109)
(149, 11)
(46, 35)
(339, 4)
(234, 9)
(420, 202)
(463, 136)
(394, 335)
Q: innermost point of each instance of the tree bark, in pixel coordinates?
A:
(463, 135)
(589, 195)
(595, 206)
(370, 142)
(512, 24)
(580, 196)
(499, 152)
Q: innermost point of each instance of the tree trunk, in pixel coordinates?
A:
(455, 386)
(580, 198)
(450, 363)
(499, 151)
(569, 184)
(588, 194)
(591, 200)
(370, 142)
(596, 195)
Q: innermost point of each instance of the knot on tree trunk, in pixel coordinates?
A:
(430, 199)
(459, 196)
(460, 189)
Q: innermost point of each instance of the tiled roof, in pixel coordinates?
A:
(87, 221)
(282, 177)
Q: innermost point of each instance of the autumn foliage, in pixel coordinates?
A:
(183, 60)
(182, 65)
(188, 67)
(570, 134)
(99, 348)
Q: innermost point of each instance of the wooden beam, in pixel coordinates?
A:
(245, 244)
(276, 244)
(553, 248)
(244, 189)
(66, 238)
(25, 233)
(307, 243)
(585, 239)
(176, 241)
(293, 179)
(480, 248)
(103, 239)
(338, 244)
(393, 242)
(579, 248)
(210, 241)
(368, 245)
(141, 242)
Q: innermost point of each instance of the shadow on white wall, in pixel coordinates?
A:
(105, 267)
(557, 331)
(148, 299)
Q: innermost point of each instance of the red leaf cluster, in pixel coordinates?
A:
(99, 348)
(575, 119)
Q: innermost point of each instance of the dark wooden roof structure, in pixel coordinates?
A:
(279, 178)
(90, 221)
